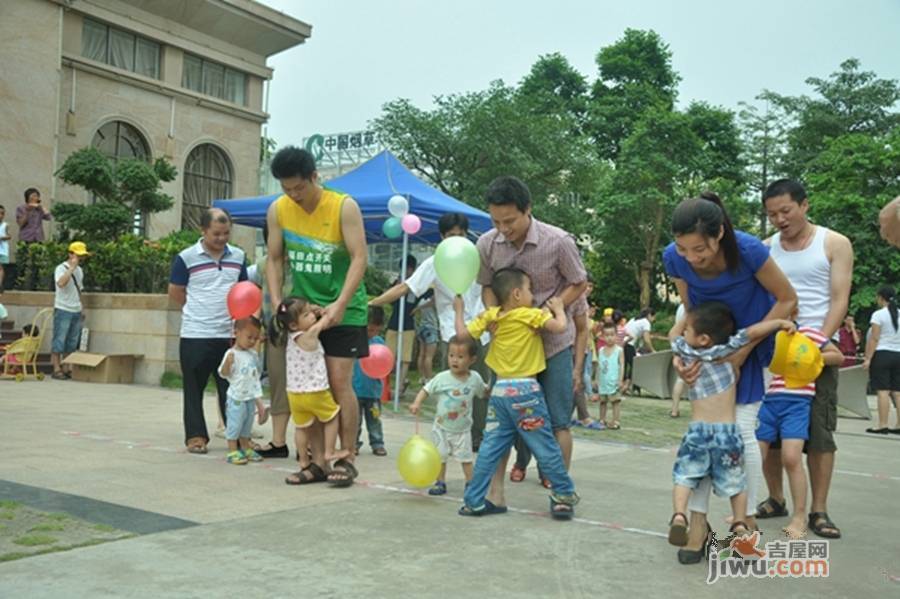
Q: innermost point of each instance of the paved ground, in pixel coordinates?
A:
(113, 454)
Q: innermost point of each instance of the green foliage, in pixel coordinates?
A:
(127, 264)
(32, 540)
(376, 281)
(119, 190)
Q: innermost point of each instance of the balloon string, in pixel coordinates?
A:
(417, 422)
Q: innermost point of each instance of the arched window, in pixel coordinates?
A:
(117, 140)
(207, 177)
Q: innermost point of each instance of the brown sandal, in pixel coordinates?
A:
(678, 533)
(196, 445)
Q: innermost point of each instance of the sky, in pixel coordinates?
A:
(365, 53)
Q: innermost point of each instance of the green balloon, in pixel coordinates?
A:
(392, 228)
(456, 262)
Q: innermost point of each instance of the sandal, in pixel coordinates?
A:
(439, 488)
(821, 524)
(273, 451)
(517, 474)
(311, 474)
(467, 511)
(614, 425)
(490, 508)
(346, 474)
(560, 510)
(196, 445)
(771, 508)
(379, 451)
(678, 532)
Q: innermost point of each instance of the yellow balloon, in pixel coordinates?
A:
(419, 462)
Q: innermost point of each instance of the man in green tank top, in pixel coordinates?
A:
(318, 234)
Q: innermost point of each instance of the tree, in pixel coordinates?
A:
(849, 101)
(764, 134)
(120, 191)
(635, 74)
(554, 86)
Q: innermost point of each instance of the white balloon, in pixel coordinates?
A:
(398, 206)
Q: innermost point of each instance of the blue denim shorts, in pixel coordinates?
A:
(428, 335)
(66, 331)
(559, 391)
(715, 450)
(783, 419)
(239, 419)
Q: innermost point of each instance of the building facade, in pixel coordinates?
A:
(141, 79)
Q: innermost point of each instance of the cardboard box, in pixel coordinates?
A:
(102, 368)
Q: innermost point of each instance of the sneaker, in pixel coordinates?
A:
(253, 456)
(236, 457)
(439, 488)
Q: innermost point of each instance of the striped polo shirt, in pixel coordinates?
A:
(207, 282)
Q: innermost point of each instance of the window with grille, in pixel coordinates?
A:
(117, 140)
(120, 48)
(207, 177)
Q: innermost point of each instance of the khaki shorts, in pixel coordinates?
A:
(823, 414)
(409, 337)
(275, 365)
(309, 407)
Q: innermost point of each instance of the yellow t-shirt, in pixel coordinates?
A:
(517, 349)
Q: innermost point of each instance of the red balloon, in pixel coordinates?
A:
(244, 300)
(379, 363)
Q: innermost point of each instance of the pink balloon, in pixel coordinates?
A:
(379, 363)
(411, 224)
(244, 299)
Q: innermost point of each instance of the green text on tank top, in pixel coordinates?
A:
(333, 258)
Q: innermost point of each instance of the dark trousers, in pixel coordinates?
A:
(199, 359)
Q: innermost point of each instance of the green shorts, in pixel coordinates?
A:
(823, 415)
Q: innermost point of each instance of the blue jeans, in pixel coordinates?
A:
(370, 408)
(239, 418)
(517, 408)
(66, 331)
(556, 381)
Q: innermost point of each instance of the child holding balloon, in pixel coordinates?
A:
(297, 325)
(368, 389)
(456, 390)
(517, 405)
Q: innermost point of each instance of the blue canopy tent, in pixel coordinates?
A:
(371, 184)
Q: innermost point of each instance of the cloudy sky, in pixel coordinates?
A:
(364, 53)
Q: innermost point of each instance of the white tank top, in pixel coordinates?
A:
(809, 271)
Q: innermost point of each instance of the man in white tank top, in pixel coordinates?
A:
(819, 264)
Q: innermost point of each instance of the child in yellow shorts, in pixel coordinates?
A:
(308, 391)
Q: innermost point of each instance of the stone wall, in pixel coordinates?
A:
(120, 323)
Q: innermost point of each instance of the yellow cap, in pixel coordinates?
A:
(607, 312)
(78, 248)
(797, 359)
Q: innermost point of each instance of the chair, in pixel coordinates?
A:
(24, 352)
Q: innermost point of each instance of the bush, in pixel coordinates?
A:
(129, 264)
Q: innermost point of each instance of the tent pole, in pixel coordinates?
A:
(397, 382)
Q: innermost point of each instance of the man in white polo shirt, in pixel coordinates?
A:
(452, 224)
(202, 275)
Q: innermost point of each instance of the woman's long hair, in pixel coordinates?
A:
(706, 215)
(887, 294)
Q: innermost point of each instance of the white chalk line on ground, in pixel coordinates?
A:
(407, 491)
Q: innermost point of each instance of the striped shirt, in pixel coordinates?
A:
(715, 376)
(207, 282)
(550, 258)
(778, 390)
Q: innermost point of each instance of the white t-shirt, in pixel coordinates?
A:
(635, 329)
(243, 382)
(888, 338)
(424, 277)
(68, 298)
(454, 399)
(4, 245)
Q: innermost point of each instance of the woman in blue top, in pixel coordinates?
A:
(710, 261)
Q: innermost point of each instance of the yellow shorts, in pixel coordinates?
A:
(316, 405)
